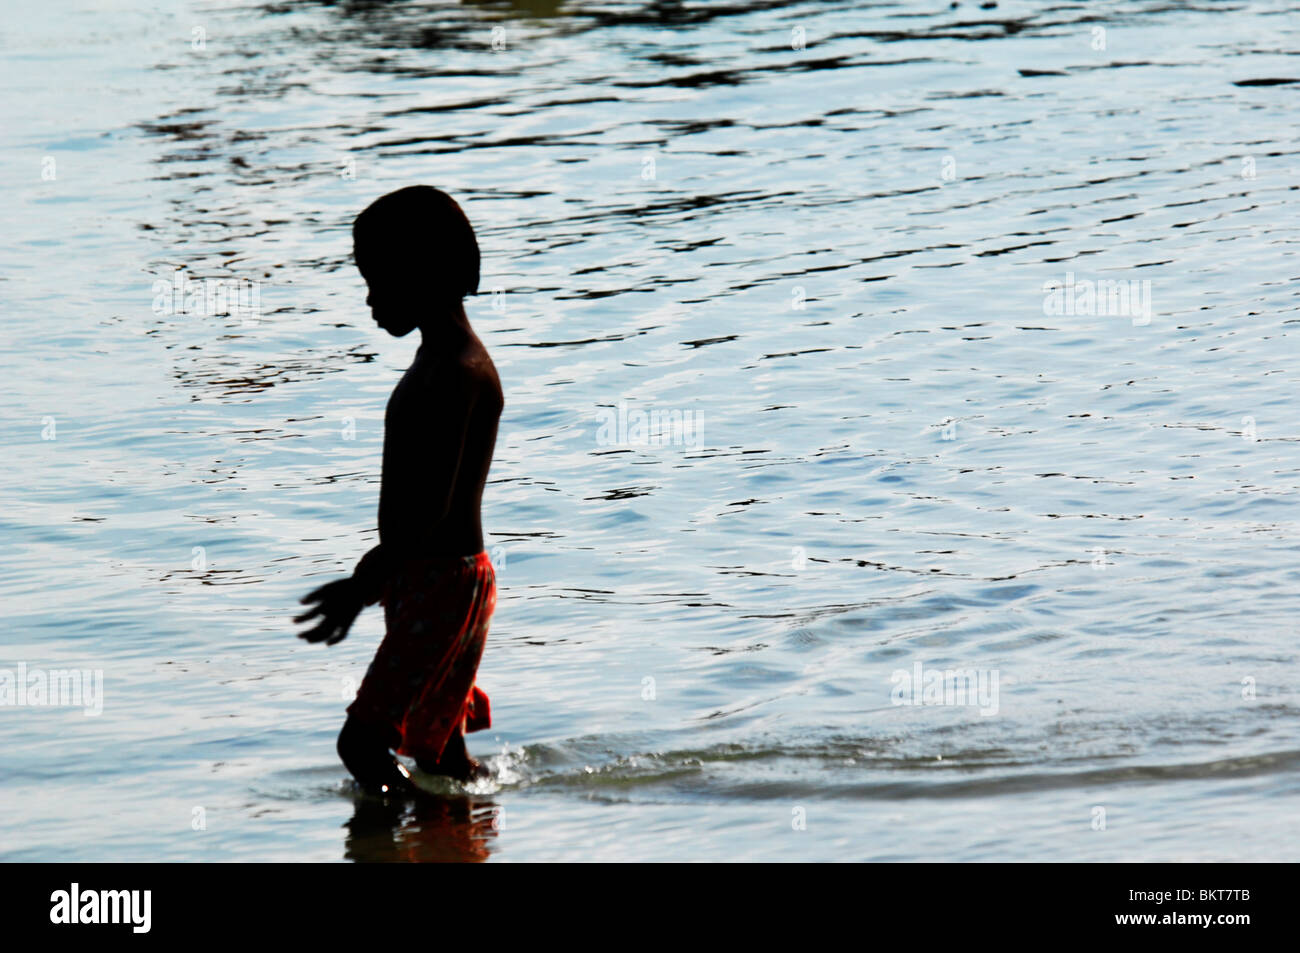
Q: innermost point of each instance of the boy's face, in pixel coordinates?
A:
(395, 296)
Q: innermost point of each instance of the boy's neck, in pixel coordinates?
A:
(446, 327)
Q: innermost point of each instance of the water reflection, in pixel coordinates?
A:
(445, 829)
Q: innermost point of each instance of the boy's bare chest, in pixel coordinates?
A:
(422, 398)
(402, 399)
(413, 397)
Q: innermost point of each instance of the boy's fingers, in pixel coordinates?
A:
(310, 614)
(331, 630)
(317, 634)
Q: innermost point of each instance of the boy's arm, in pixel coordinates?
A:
(370, 574)
(418, 481)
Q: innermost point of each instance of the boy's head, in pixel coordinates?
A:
(417, 252)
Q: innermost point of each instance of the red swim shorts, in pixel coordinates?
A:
(421, 682)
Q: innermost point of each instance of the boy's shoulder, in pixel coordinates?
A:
(476, 372)
(467, 374)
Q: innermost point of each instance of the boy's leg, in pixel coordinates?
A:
(364, 750)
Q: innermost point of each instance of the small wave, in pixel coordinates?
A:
(844, 769)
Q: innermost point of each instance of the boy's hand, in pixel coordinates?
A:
(339, 603)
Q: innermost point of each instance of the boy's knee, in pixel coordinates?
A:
(358, 740)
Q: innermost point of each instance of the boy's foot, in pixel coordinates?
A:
(455, 762)
(464, 769)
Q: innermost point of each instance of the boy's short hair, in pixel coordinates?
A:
(418, 227)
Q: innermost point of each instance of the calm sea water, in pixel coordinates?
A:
(822, 236)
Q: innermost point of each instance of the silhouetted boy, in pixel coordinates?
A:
(417, 252)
